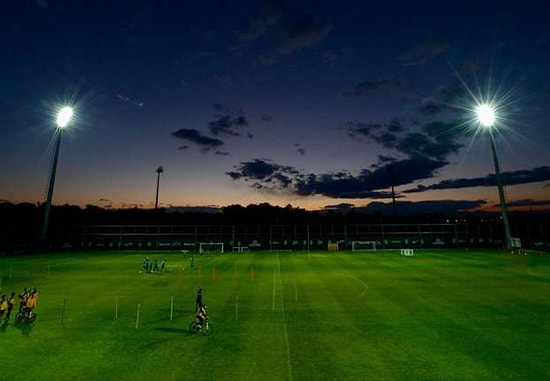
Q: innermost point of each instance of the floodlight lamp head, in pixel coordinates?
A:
(64, 116)
(485, 115)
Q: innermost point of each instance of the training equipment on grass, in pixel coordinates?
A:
(211, 247)
(363, 246)
(407, 252)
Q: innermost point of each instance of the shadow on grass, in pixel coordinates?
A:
(173, 330)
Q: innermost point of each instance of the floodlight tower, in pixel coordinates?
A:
(486, 117)
(64, 117)
(159, 171)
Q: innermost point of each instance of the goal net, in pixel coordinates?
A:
(211, 247)
(407, 252)
(363, 246)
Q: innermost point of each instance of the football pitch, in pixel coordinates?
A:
(439, 315)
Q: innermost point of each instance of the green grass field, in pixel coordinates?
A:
(441, 315)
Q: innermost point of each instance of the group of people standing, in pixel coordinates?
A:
(152, 265)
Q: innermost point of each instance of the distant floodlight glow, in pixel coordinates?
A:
(485, 115)
(64, 117)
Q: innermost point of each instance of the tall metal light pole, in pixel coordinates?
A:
(486, 117)
(159, 171)
(64, 117)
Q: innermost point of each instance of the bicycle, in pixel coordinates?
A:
(25, 315)
(206, 328)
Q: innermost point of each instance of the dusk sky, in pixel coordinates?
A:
(307, 103)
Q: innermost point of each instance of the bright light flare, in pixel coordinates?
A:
(485, 115)
(64, 116)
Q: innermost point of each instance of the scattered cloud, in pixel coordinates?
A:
(369, 88)
(420, 154)
(229, 122)
(304, 31)
(366, 89)
(300, 149)
(510, 178)
(434, 139)
(369, 183)
(282, 31)
(421, 54)
(195, 136)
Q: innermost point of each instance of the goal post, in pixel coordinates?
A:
(211, 247)
(407, 252)
(363, 246)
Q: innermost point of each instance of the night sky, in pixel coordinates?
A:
(317, 104)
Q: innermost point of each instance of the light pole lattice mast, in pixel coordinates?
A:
(486, 117)
(159, 171)
(63, 119)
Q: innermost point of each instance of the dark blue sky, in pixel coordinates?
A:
(287, 102)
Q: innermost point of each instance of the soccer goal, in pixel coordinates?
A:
(363, 245)
(407, 252)
(211, 247)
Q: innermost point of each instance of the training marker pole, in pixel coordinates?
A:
(171, 308)
(137, 315)
(116, 307)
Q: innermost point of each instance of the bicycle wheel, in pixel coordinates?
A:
(193, 327)
(20, 317)
(32, 317)
(207, 330)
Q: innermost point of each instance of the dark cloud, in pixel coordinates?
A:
(195, 136)
(367, 184)
(426, 152)
(266, 18)
(342, 207)
(434, 140)
(304, 31)
(408, 208)
(228, 122)
(300, 149)
(362, 130)
(529, 202)
(282, 31)
(510, 178)
(228, 125)
(264, 175)
(366, 88)
(370, 88)
(260, 169)
(423, 53)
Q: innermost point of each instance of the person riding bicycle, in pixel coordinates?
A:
(3, 307)
(30, 304)
(201, 316)
(23, 297)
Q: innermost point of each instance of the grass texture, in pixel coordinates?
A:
(440, 315)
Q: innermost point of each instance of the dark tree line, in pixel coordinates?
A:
(20, 224)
